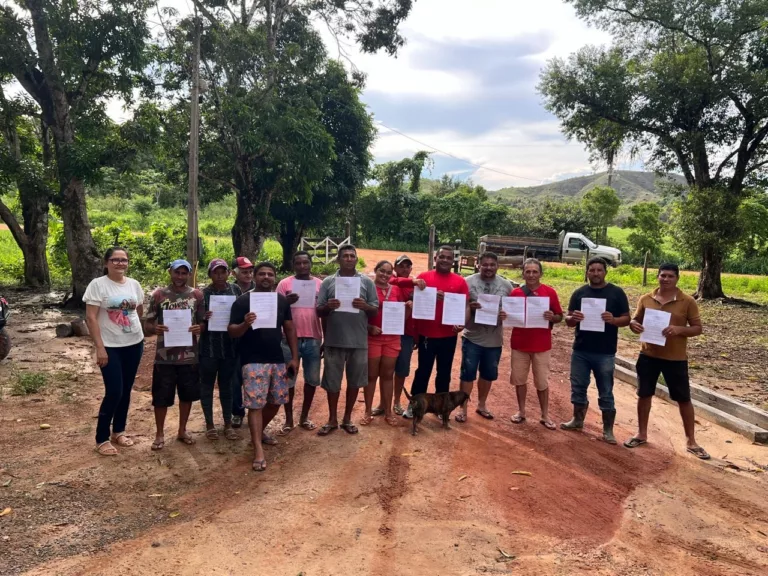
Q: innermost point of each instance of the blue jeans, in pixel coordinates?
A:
(403, 364)
(474, 356)
(309, 355)
(118, 375)
(582, 364)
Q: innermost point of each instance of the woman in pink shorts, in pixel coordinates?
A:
(383, 349)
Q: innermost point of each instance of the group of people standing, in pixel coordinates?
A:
(256, 369)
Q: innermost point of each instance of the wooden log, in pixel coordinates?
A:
(80, 328)
(64, 330)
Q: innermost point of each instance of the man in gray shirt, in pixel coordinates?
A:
(481, 344)
(346, 340)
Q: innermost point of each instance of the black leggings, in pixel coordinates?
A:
(118, 374)
(431, 350)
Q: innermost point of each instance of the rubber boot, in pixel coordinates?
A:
(577, 422)
(609, 417)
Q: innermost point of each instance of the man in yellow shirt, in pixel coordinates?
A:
(671, 359)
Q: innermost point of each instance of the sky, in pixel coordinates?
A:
(465, 84)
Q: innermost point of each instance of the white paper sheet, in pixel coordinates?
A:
(220, 308)
(393, 318)
(654, 321)
(424, 303)
(307, 291)
(489, 313)
(515, 309)
(347, 289)
(535, 306)
(264, 305)
(592, 308)
(179, 322)
(454, 309)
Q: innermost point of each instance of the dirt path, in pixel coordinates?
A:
(378, 503)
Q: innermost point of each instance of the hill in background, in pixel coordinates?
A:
(631, 187)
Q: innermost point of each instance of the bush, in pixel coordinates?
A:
(29, 383)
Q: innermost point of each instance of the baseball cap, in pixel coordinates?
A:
(179, 263)
(403, 258)
(242, 262)
(217, 263)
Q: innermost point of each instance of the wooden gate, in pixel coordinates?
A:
(325, 249)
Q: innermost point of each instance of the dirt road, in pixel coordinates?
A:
(379, 503)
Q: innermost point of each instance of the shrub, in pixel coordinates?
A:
(29, 383)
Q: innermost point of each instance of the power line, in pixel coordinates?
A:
(456, 157)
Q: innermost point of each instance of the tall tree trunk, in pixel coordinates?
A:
(247, 239)
(34, 209)
(84, 258)
(290, 235)
(709, 286)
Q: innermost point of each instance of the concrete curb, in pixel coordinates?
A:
(723, 410)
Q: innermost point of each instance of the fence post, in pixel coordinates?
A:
(431, 249)
(348, 230)
(457, 257)
(645, 267)
(586, 265)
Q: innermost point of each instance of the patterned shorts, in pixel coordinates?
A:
(264, 383)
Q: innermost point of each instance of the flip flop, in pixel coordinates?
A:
(259, 465)
(392, 421)
(398, 410)
(634, 442)
(269, 440)
(212, 434)
(517, 419)
(699, 452)
(285, 430)
(485, 414)
(106, 449)
(548, 424)
(366, 420)
(308, 425)
(230, 434)
(461, 418)
(186, 439)
(326, 429)
(377, 411)
(158, 445)
(122, 440)
(349, 428)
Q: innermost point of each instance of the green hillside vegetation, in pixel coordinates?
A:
(631, 186)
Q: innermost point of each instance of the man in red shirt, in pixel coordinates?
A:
(531, 347)
(437, 341)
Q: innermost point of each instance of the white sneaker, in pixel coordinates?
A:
(408, 412)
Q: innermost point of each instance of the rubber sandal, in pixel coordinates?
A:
(517, 419)
(308, 425)
(212, 434)
(699, 452)
(460, 418)
(269, 440)
(399, 409)
(158, 445)
(106, 449)
(392, 421)
(326, 429)
(366, 420)
(485, 414)
(548, 424)
(230, 434)
(285, 430)
(349, 428)
(186, 439)
(634, 442)
(237, 421)
(259, 465)
(122, 440)
(377, 411)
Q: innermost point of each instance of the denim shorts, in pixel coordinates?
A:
(309, 357)
(403, 364)
(474, 356)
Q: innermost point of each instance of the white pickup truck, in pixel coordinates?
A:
(571, 247)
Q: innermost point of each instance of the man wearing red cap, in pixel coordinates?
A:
(217, 354)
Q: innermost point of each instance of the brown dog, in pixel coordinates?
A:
(441, 404)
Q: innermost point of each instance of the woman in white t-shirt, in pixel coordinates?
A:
(114, 307)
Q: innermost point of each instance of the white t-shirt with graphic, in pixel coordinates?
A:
(120, 324)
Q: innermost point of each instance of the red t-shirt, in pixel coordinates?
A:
(395, 295)
(534, 340)
(406, 287)
(450, 282)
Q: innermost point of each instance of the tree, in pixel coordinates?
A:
(753, 215)
(687, 80)
(601, 205)
(25, 162)
(347, 121)
(69, 57)
(648, 230)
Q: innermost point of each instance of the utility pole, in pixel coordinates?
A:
(194, 142)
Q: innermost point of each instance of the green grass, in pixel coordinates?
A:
(27, 383)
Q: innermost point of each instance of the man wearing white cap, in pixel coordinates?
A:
(176, 368)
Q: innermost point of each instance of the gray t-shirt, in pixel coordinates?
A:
(482, 334)
(344, 329)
